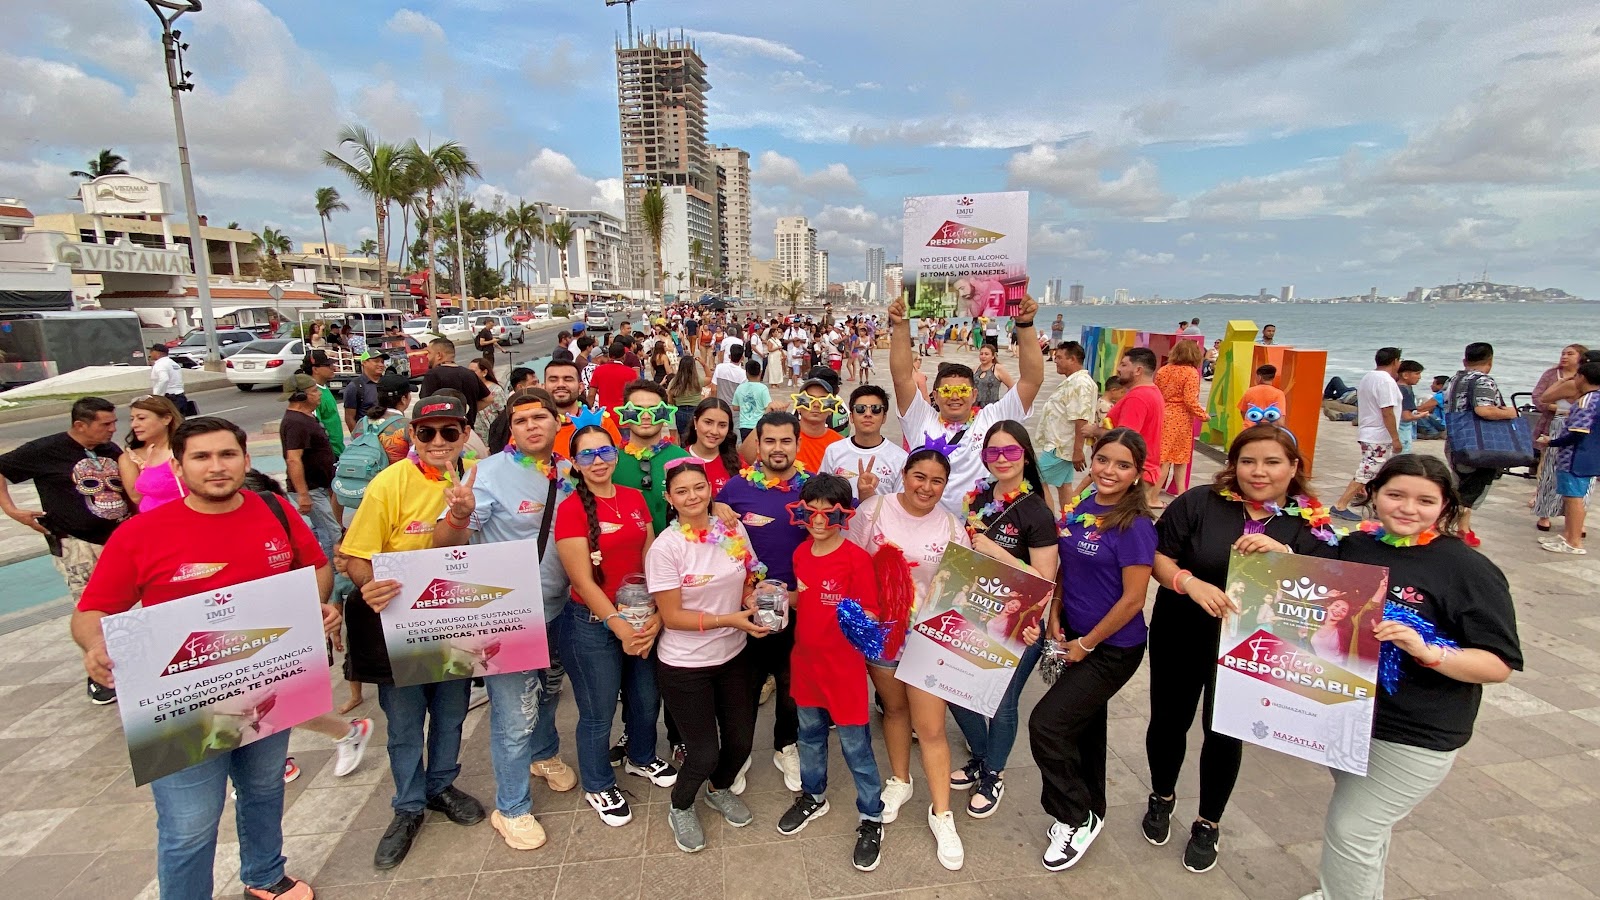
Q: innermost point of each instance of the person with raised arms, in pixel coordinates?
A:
(953, 420)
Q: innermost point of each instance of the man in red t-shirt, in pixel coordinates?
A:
(153, 558)
(1141, 409)
(609, 378)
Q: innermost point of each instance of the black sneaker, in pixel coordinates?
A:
(967, 776)
(611, 805)
(1201, 854)
(869, 845)
(619, 750)
(679, 752)
(100, 695)
(1157, 822)
(799, 815)
(658, 771)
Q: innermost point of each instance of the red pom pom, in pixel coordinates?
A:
(896, 595)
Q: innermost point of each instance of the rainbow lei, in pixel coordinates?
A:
(1376, 530)
(758, 477)
(557, 468)
(737, 548)
(647, 453)
(1068, 519)
(1303, 505)
(432, 473)
(994, 507)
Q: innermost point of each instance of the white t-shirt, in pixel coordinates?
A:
(921, 421)
(166, 377)
(711, 582)
(728, 342)
(844, 458)
(1376, 392)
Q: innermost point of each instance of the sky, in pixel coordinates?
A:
(1170, 147)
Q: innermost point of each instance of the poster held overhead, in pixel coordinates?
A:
(965, 255)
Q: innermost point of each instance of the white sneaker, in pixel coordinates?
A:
(1068, 843)
(1314, 895)
(349, 749)
(895, 794)
(943, 826)
(738, 780)
(787, 761)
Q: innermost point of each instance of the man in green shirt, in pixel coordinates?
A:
(320, 368)
(645, 413)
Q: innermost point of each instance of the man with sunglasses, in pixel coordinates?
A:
(645, 454)
(513, 497)
(950, 416)
(871, 463)
(398, 512)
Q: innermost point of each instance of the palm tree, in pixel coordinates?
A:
(328, 202)
(272, 242)
(368, 248)
(233, 226)
(107, 163)
(433, 169)
(653, 216)
(560, 232)
(377, 171)
(523, 227)
(697, 252)
(792, 291)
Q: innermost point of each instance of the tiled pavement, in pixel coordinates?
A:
(1518, 817)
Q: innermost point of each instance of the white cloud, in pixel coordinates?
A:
(774, 170)
(1132, 258)
(553, 176)
(745, 45)
(410, 22)
(1232, 35)
(1077, 172)
(1065, 243)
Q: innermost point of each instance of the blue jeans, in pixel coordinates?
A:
(599, 672)
(1408, 433)
(991, 739)
(545, 742)
(323, 524)
(515, 700)
(437, 709)
(189, 807)
(856, 743)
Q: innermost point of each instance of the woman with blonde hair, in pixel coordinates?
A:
(147, 472)
(1179, 383)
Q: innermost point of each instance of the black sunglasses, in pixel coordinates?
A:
(426, 433)
(863, 409)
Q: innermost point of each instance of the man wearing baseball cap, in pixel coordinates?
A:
(361, 392)
(310, 459)
(320, 367)
(398, 512)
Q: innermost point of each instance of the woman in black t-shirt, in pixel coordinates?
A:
(1418, 728)
(1007, 520)
(1260, 491)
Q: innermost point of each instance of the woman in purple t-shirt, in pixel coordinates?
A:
(1107, 549)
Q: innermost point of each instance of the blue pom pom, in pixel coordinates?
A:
(1390, 655)
(861, 630)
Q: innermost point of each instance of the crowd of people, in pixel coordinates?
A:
(748, 519)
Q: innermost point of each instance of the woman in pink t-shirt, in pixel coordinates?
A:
(701, 572)
(913, 524)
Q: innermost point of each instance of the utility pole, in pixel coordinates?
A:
(461, 266)
(178, 80)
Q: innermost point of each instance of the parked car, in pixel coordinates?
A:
(452, 323)
(263, 362)
(541, 312)
(229, 342)
(417, 327)
(597, 319)
(504, 328)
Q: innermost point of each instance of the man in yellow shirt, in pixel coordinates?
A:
(398, 512)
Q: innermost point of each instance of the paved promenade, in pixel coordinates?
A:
(1518, 817)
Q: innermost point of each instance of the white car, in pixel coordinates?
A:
(542, 311)
(418, 326)
(597, 320)
(264, 362)
(452, 323)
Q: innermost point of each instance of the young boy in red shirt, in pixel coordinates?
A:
(828, 678)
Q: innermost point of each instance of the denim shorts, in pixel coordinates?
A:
(1570, 485)
(1055, 470)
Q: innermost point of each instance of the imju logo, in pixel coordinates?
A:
(458, 560)
(442, 593)
(1408, 595)
(219, 606)
(202, 649)
(965, 207)
(956, 236)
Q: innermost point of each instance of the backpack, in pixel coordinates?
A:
(363, 458)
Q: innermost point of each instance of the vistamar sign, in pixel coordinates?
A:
(115, 195)
(122, 258)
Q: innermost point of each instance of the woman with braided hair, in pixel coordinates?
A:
(602, 534)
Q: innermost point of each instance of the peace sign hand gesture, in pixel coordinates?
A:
(866, 478)
(459, 499)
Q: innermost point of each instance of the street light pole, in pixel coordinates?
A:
(461, 266)
(177, 80)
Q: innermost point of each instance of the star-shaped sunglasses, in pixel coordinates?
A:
(812, 403)
(954, 391)
(632, 413)
(801, 513)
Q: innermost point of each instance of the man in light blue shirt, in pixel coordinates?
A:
(512, 496)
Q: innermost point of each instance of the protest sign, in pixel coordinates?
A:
(212, 672)
(463, 612)
(1297, 667)
(965, 255)
(965, 640)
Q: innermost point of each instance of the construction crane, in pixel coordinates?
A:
(629, 5)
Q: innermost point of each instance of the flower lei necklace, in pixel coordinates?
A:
(758, 477)
(1414, 540)
(647, 453)
(432, 472)
(737, 548)
(1067, 519)
(995, 507)
(556, 468)
(1303, 505)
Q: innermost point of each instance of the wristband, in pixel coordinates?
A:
(607, 620)
(450, 518)
(1436, 663)
(1086, 648)
(1027, 324)
(1177, 581)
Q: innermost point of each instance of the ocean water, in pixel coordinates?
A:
(1527, 337)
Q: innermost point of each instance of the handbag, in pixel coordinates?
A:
(1479, 443)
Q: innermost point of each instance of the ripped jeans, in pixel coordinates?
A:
(514, 707)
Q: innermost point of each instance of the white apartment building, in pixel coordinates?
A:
(735, 223)
(795, 242)
(688, 219)
(597, 260)
(819, 274)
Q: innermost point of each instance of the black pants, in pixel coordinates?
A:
(715, 706)
(1183, 665)
(1068, 732)
(184, 405)
(772, 658)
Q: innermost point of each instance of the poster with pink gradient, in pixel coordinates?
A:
(1297, 667)
(464, 612)
(212, 672)
(965, 255)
